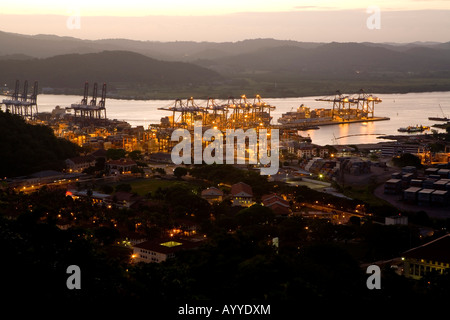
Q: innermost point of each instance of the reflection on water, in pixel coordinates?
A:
(402, 109)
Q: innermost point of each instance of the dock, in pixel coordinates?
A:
(311, 124)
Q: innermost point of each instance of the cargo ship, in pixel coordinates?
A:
(439, 118)
(304, 116)
(411, 129)
(444, 118)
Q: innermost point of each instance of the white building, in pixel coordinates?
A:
(78, 164)
(159, 250)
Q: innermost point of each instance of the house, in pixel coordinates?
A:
(396, 220)
(123, 199)
(99, 153)
(308, 151)
(78, 164)
(184, 227)
(131, 239)
(212, 194)
(432, 256)
(392, 149)
(278, 205)
(162, 157)
(120, 166)
(159, 250)
(242, 195)
(96, 197)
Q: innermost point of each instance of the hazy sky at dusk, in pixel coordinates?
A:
(232, 20)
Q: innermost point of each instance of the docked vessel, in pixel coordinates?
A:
(305, 116)
(416, 128)
(439, 118)
(444, 118)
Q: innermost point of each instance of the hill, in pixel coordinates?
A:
(27, 148)
(336, 60)
(270, 67)
(117, 68)
(44, 46)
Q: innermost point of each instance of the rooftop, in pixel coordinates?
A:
(435, 250)
(168, 245)
(212, 191)
(241, 187)
(122, 162)
(82, 159)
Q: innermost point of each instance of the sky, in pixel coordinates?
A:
(232, 20)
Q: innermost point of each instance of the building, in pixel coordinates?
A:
(424, 196)
(162, 157)
(212, 194)
(444, 173)
(411, 194)
(131, 238)
(99, 153)
(159, 250)
(241, 195)
(78, 164)
(46, 177)
(278, 205)
(441, 184)
(120, 166)
(416, 183)
(393, 186)
(439, 197)
(308, 151)
(122, 199)
(432, 256)
(396, 220)
(397, 149)
(95, 196)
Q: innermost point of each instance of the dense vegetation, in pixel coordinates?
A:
(315, 261)
(117, 68)
(27, 148)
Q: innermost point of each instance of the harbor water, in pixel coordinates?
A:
(404, 110)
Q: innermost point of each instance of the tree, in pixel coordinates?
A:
(106, 188)
(254, 215)
(407, 159)
(179, 172)
(115, 154)
(135, 155)
(355, 221)
(27, 148)
(124, 187)
(159, 170)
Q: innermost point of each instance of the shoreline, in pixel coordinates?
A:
(170, 96)
(328, 123)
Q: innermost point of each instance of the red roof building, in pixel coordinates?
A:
(121, 165)
(242, 194)
(212, 194)
(278, 205)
